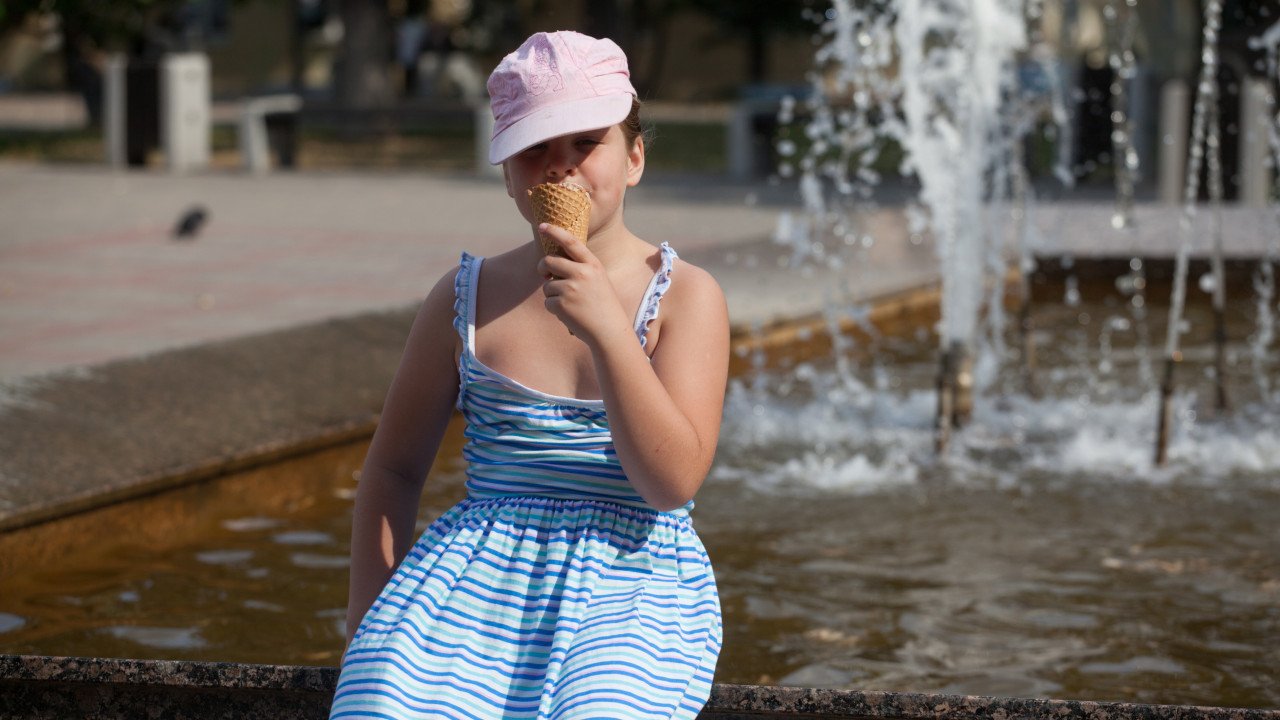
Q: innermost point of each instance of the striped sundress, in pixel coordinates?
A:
(552, 590)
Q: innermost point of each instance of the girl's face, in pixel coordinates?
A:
(601, 161)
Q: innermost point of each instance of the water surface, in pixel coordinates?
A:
(1043, 556)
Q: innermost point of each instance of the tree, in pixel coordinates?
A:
(757, 23)
(143, 29)
(363, 81)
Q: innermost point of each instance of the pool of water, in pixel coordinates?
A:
(1042, 556)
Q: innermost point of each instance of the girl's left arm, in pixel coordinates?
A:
(664, 413)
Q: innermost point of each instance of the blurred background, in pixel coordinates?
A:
(400, 83)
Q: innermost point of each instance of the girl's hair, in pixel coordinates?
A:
(632, 128)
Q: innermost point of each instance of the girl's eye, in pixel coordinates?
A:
(534, 148)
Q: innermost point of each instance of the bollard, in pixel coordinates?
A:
(113, 110)
(185, 106)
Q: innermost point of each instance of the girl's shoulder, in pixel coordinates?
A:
(441, 295)
(439, 308)
(695, 293)
(693, 281)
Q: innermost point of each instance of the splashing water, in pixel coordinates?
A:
(1264, 280)
(951, 101)
(1123, 65)
(811, 430)
(939, 79)
(1015, 562)
(1201, 138)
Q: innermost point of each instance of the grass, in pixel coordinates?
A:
(51, 146)
(687, 147)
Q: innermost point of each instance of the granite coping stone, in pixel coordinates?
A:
(49, 687)
(73, 441)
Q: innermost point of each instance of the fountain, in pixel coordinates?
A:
(965, 507)
(1058, 429)
(1205, 141)
(940, 81)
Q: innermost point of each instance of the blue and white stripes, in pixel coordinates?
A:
(552, 591)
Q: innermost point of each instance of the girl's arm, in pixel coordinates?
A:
(664, 414)
(418, 408)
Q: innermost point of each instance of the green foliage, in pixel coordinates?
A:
(755, 23)
(773, 17)
(687, 147)
(108, 24)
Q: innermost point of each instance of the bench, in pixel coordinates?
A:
(267, 122)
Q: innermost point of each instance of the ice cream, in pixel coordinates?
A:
(563, 205)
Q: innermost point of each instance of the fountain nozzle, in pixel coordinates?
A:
(955, 391)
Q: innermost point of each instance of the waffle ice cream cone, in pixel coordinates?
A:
(567, 206)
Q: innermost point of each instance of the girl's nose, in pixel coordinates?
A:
(560, 162)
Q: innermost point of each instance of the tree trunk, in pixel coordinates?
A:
(602, 19)
(757, 54)
(364, 80)
(647, 79)
(79, 73)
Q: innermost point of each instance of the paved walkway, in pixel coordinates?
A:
(90, 271)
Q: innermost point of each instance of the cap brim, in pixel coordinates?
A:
(572, 117)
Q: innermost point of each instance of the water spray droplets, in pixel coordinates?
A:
(1071, 297)
(787, 110)
(892, 72)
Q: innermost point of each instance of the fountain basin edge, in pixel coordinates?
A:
(37, 687)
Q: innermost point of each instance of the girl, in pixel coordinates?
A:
(569, 583)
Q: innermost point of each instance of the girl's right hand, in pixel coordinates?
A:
(578, 290)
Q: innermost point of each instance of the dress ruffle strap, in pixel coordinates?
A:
(653, 297)
(462, 309)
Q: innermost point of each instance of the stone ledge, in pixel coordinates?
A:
(38, 687)
(73, 441)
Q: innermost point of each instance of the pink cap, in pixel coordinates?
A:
(556, 84)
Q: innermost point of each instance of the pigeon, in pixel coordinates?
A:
(190, 223)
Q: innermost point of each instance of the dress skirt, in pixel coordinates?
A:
(531, 607)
